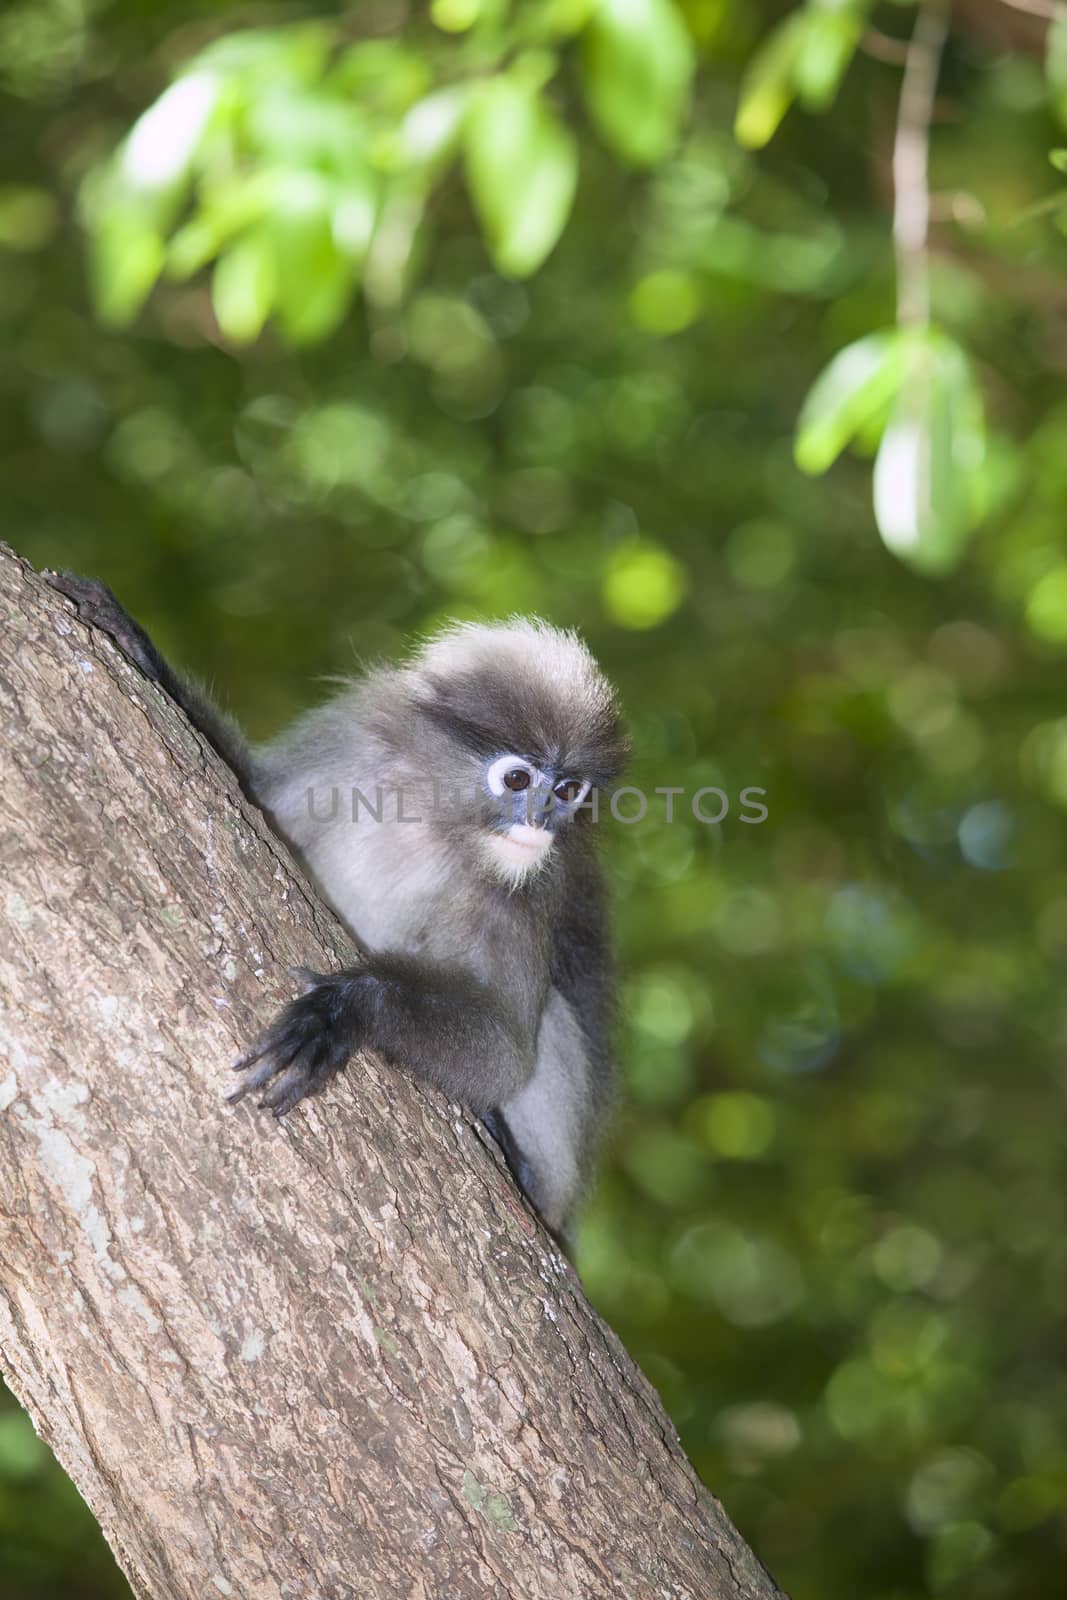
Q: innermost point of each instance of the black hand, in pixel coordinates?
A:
(309, 1042)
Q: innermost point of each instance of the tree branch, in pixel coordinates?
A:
(911, 155)
(335, 1359)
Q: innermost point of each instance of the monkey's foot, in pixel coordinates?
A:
(309, 1042)
(99, 607)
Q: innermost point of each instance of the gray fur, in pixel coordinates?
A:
(487, 968)
(419, 888)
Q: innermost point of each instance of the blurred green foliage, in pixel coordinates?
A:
(831, 1225)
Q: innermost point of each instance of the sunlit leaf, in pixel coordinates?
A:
(768, 87)
(315, 277)
(298, 53)
(522, 170)
(243, 287)
(301, 128)
(828, 44)
(382, 76)
(928, 477)
(638, 65)
(161, 146)
(560, 19)
(431, 129)
(456, 16)
(227, 205)
(126, 255)
(861, 381)
(393, 248)
(355, 211)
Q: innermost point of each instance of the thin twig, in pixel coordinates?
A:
(911, 153)
(1048, 10)
(873, 42)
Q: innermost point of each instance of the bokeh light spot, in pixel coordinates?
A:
(665, 302)
(736, 1126)
(643, 585)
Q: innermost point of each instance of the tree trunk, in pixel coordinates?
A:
(331, 1358)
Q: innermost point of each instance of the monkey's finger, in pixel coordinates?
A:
(259, 1047)
(287, 1089)
(268, 1066)
(273, 1050)
(282, 1040)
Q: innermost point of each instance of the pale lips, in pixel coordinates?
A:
(523, 843)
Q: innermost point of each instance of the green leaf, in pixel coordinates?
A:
(769, 84)
(394, 250)
(456, 16)
(522, 170)
(126, 256)
(306, 128)
(861, 380)
(828, 45)
(159, 153)
(430, 131)
(638, 64)
(263, 55)
(1058, 159)
(316, 275)
(805, 56)
(558, 19)
(227, 205)
(383, 76)
(243, 287)
(355, 213)
(929, 484)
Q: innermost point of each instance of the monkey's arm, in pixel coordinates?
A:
(98, 606)
(583, 970)
(438, 1021)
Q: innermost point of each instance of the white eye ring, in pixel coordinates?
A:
(572, 805)
(500, 770)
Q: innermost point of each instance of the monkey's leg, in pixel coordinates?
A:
(496, 1124)
(526, 1178)
(98, 606)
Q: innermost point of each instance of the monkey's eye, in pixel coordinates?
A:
(571, 791)
(510, 772)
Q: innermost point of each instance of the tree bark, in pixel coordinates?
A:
(336, 1357)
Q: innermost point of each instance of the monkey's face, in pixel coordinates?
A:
(524, 710)
(526, 805)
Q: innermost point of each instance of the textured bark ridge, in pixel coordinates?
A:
(333, 1358)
